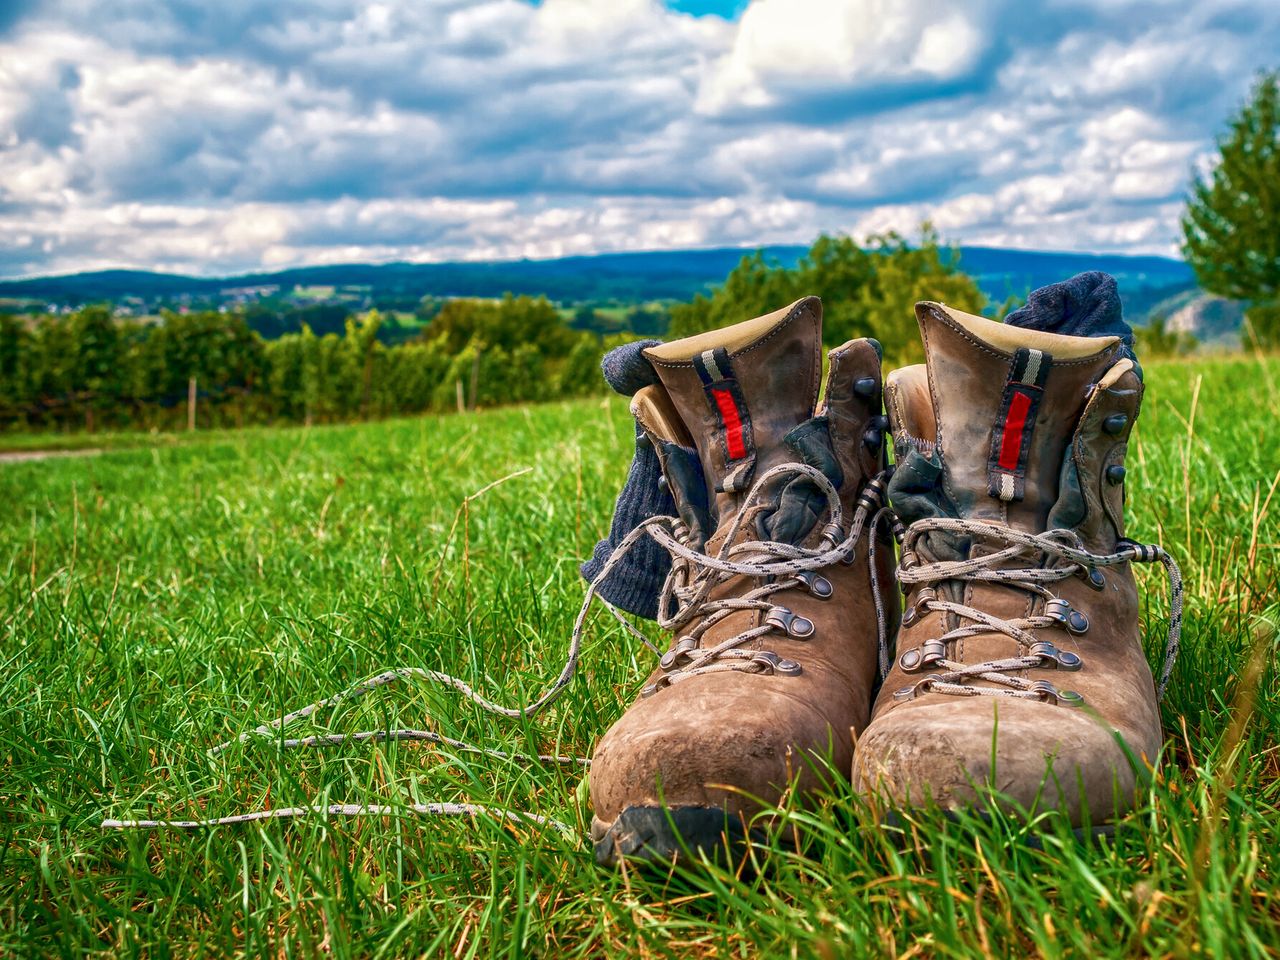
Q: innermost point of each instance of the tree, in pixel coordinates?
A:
(285, 380)
(96, 368)
(361, 347)
(1230, 226)
(754, 287)
(1155, 339)
(867, 290)
(1262, 325)
(99, 368)
(579, 373)
(902, 275)
(14, 351)
(648, 319)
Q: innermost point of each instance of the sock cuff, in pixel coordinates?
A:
(635, 584)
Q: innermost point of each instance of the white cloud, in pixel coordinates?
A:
(782, 47)
(205, 136)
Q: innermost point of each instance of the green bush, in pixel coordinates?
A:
(1157, 340)
(89, 369)
(1262, 325)
(867, 290)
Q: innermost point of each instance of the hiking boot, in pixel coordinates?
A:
(1018, 663)
(770, 597)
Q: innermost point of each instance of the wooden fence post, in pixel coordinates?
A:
(191, 404)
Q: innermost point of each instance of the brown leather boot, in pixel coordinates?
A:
(770, 597)
(1018, 661)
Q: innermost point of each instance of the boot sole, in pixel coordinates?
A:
(665, 836)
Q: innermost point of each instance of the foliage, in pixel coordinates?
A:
(867, 290)
(646, 319)
(505, 324)
(91, 369)
(1262, 326)
(1155, 339)
(161, 599)
(273, 321)
(1230, 226)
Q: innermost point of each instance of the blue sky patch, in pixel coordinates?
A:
(728, 9)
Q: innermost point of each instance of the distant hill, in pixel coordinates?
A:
(1145, 281)
(613, 276)
(1210, 319)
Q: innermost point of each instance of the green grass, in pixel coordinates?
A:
(155, 601)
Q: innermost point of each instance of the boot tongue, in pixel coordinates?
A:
(740, 390)
(1006, 401)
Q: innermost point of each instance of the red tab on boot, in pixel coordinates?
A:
(1011, 435)
(725, 396)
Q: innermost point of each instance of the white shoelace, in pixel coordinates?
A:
(1051, 557)
(778, 566)
(688, 590)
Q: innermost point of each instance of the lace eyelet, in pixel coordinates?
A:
(913, 691)
(1051, 658)
(864, 388)
(910, 661)
(792, 624)
(931, 652)
(774, 664)
(818, 585)
(1047, 692)
(678, 654)
(1115, 423)
(1067, 616)
(906, 562)
(660, 684)
(926, 596)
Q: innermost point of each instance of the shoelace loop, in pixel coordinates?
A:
(778, 567)
(1051, 557)
(757, 558)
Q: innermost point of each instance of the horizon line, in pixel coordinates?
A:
(745, 249)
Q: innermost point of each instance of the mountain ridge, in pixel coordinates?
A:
(650, 272)
(1150, 285)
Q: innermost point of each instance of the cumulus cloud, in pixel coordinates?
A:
(786, 53)
(214, 137)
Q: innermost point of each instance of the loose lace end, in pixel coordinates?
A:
(351, 810)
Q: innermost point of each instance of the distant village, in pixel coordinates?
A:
(352, 298)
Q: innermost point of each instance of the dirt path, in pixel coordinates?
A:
(19, 456)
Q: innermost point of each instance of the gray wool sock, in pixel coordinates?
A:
(635, 584)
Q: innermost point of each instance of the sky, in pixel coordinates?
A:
(232, 135)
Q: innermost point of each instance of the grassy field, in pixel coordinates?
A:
(156, 601)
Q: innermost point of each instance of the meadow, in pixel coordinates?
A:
(158, 599)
